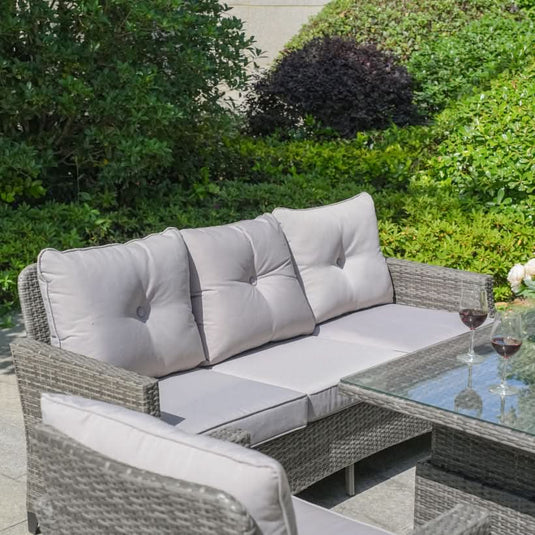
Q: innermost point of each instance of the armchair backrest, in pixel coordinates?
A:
(89, 493)
(33, 308)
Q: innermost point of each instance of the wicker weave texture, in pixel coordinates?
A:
(461, 520)
(32, 306)
(427, 286)
(498, 465)
(438, 490)
(325, 446)
(88, 493)
(42, 368)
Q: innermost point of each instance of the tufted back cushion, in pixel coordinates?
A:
(244, 289)
(126, 304)
(336, 250)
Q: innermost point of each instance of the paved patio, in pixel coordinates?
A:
(385, 482)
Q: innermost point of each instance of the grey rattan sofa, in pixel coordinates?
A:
(340, 437)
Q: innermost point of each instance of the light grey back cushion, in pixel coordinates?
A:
(147, 443)
(125, 304)
(337, 253)
(244, 289)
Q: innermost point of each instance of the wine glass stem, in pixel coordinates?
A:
(472, 335)
(504, 372)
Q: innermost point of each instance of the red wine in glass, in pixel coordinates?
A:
(472, 317)
(505, 346)
(506, 338)
(473, 311)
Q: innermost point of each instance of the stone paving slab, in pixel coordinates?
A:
(12, 503)
(17, 529)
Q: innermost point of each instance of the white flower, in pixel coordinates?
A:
(516, 276)
(529, 269)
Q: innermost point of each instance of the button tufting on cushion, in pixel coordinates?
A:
(126, 304)
(234, 312)
(336, 250)
(142, 312)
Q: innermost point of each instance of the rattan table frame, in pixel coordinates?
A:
(472, 461)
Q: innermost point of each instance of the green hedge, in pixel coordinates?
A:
(489, 153)
(458, 192)
(401, 27)
(425, 223)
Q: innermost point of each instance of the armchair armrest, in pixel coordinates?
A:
(230, 434)
(461, 520)
(87, 492)
(42, 368)
(428, 286)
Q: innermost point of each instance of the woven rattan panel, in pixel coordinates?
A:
(498, 464)
(438, 490)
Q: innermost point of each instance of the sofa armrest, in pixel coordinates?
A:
(42, 368)
(428, 286)
(230, 434)
(461, 520)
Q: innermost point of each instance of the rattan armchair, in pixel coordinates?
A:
(308, 455)
(89, 493)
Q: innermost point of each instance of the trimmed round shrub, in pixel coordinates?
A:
(344, 86)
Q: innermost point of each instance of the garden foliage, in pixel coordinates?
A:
(344, 86)
(114, 95)
(457, 191)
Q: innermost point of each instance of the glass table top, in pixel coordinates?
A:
(434, 377)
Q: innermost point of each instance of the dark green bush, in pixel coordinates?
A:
(112, 95)
(344, 86)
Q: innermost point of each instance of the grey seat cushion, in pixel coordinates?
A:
(127, 304)
(244, 288)
(336, 251)
(308, 364)
(203, 400)
(314, 520)
(398, 327)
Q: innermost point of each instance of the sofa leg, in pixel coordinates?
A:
(33, 526)
(350, 480)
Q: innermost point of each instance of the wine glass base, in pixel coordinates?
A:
(504, 390)
(468, 358)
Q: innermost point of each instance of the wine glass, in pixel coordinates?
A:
(506, 338)
(473, 311)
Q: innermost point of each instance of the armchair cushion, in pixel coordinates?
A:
(125, 304)
(336, 250)
(147, 443)
(244, 289)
